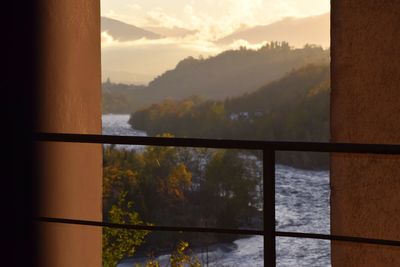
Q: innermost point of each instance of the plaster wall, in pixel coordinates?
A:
(365, 108)
(70, 102)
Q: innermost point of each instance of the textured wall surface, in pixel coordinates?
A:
(70, 102)
(365, 108)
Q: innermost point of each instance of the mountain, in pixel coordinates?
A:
(125, 32)
(292, 108)
(290, 90)
(125, 76)
(229, 74)
(296, 31)
(172, 32)
(232, 72)
(118, 98)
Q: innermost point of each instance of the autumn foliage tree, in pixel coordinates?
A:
(121, 243)
(173, 187)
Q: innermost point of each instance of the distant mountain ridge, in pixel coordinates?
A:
(155, 57)
(172, 32)
(125, 32)
(296, 31)
(229, 74)
(232, 72)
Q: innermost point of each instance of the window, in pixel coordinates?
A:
(237, 75)
(268, 159)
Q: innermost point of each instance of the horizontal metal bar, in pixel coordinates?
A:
(152, 227)
(393, 149)
(363, 240)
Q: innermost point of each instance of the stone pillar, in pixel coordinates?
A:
(70, 102)
(365, 108)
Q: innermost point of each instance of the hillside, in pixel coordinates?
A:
(297, 31)
(233, 72)
(229, 74)
(287, 92)
(118, 98)
(293, 108)
(125, 32)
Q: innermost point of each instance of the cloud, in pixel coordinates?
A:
(192, 43)
(127, 17)
(135, 7)
(237, 44)
(157, 17)
(215, 19)
(112, 14)
(197, 15)
(210, 20)
(106, 39)
(186, 43)
(233, 13)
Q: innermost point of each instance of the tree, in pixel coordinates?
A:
(229, 185)
(179, 258)
(163, 179)
(121, 243)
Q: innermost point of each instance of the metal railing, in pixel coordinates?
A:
(267, 147)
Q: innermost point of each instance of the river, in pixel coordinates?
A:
(302, 205)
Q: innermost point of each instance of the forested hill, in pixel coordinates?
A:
(118, 97)
(229, 74)
(233, 72)
(294, 108)
(287, 92)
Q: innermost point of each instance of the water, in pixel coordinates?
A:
(117, 124)
(302, 205)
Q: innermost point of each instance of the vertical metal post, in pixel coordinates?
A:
(269, 207)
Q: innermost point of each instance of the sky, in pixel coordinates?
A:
(215, 17)
(212, 20)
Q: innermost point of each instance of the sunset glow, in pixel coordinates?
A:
(194, 28)
(213, 19)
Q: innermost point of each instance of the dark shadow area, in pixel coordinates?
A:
(18, 169)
